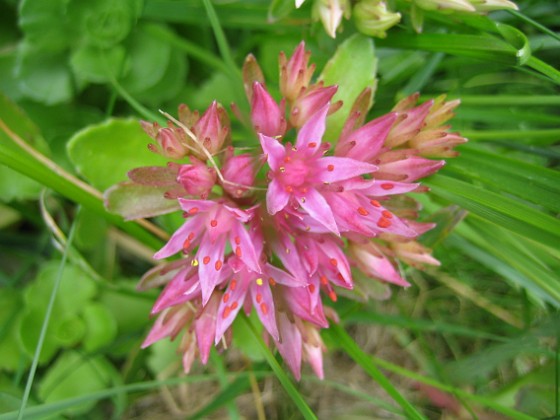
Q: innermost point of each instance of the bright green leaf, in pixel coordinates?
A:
(72, 376)
(149, 58)
(101, 326)
(43, 76)
(104, 153)
(98, 65)
(352, 68)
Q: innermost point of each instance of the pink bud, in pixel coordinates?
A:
(238, 171)
(267, 117)
(197, 179)
(295, 74)
(212, 129)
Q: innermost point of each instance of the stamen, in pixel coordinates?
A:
(383, 223)
(324, 280)
(238, 252)
(333, 261)
(330, 168)
(225, 298)
(312, 144)
(289, 189)
(311, 288)
(387, 186)
(194, 263)
(237, 240)
(186, 244)
(259, 281)
(387, 214)
(264, 308)
(375, 203)
(234, 306)
(233, 284)
(206, 260)
(272, 282)
(333, 296)
(227, 311)
(259, 298)
(363, 211)
(193, 210)
(218, 265)
(191, 236)
(282, 169)
(214, 223)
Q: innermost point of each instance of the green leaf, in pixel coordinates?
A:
(280, 9)
(352, 68)
(149, 59)
(10, 349)
(104, 23)
(104, 153)
(73, 376)
(98, 65)
(134, 201)
(101, 327)
(44, 76)
(44, 24)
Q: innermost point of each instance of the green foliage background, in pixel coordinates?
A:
(76, 76)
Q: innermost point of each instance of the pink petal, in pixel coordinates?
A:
(205, 327)
(380, 188)
(231, 304)
(314, 356)
(243, 247)
(264, 305)
(179, 290)
(281, 277)
(312, 131)
(276, 197)
(177, 240)
(289, 345)
(411, 169)
(201, 206)
(318, 208)
(366, 142)
(334, 169)
(210, 257)
(168, 324)
(273, 150)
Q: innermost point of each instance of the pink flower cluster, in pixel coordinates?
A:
(278, 243)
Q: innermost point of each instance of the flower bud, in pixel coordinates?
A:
(330, 12)
(197, 179)
(372, 18)
(239, 172)
(295, 74)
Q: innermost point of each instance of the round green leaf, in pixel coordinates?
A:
(352, 68)
(43, 76)
(104, 153)
(101, 327)
(73, 376)
(98, 65)
(69, 331)
(149, 58)
(10, 350)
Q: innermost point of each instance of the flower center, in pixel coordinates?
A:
(294, 172)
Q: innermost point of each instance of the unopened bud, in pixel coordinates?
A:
(372, 18)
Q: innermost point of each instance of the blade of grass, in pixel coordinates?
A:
(225, 397)
(534, 23)
(44, 410)
(340, 336)
(220, 370)
(283, 378)
(500, 209)
(45, 325)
